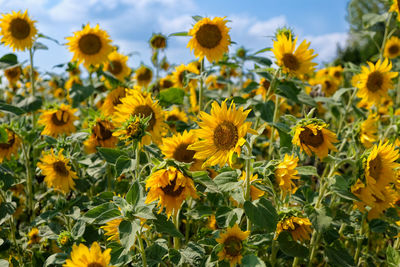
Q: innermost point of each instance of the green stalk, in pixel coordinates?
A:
(295, 262)
(359, 240)
(33, 88)
(247, 187)
(274, 119)
(29, 178)
(274, 251)
(175, 219)
(142, 251)
(201, 86)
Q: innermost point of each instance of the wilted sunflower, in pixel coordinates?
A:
(82, 256)
(58, 121)
(380, 168)
(210, 38)
(90, 46)
(158, 41)
(57, 172)
(34, 237)
(293, 61)
(143, 76)
(375, 81)
(18, 30)
(232, 242)
(10, 147)
(392, 47)
(117, 65)
(395, 7)
(179, 75)
(299, 228)
(222, 133)
(255, 193)
(13, 74)
(102, 135)
(369, 129)
(170, 187)
(111, 229)
(314, 137)
(286, 172)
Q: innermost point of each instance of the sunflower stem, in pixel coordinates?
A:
(345, 114)
(137, 157)
(29, 179)
(247, 181)
(359, 240)
(274, 119)
(142, 251)
(274, 251)
(295, 262)
(175, 219)
(201, 86)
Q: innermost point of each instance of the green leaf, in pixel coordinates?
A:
(227, 181)
(307, 170)
(338, 94)
(111, 155)
(202, 177)
(263, 50)
(174, 256)
(123, 165)
(133, 195)
(371, 19)
(339, 256)
(392, 257)
(378, 226)
(10, 59)
(171, 96)
(261, 60)
(102, 213)
(154, 254)
(12, 109)
(80, 93)
(193, 254)
(252, 261)
(267, 110)
(3, 135)
(4, 263)
(306, 99)
(291, 248)
(39, 46)
(178, 34)
(30, 104)
(79, 229)
(56, 259)
(288, 90)
(166, 226)
(321, 219)
(262, 214)
(197, 18)
(127, 233)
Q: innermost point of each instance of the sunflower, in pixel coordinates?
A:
(395, 7)
(173, 116)
(34, 237)
(369, 129)
(143, 76)
(382, 203)
(255, 193)
(328, 84)
(71, 81)
(13, 74)
(58, 121)
(375, 81)
(112, 100)
(102, 135)
(299, 228)
(117, 65)
(170, 187)
(360, 190)
(213, 83)
(194, 107)
(392, 47)
(176, 147)
(286, 172)
(314, 137)
(232, 243)
(166, 82)
(90, 46)
(263, 88)
(212, 222)
(210, 38)
(295, 62)
(82, 256)
(57, 172)
(132, 130)
(135, 104)
(336, 72)
(179, 75)
(158, 41)
(222, 133)
(59, 93)
(380, 168)
(10, 147)
(112, 229)
(18, 30)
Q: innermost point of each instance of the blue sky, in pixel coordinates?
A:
(130, 23)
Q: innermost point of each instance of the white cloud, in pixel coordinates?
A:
(326, 45)
(268, 27)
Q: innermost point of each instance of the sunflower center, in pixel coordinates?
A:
(226, 136)
(182, 154)
(394, 49)
(169, 189)
(158, 42)
(60, 118)
(337, 74)
(375, 167)
(209, 36)
(266, 84)
(172, 118)
(146, 111)
(145, 75)
(20, 28)
(328, 85)
(309, 138)
(90, 44)
(233, 246)
(374, 81)
(166, 84)
(115, 67)
(12, 73)
(9, 144)
(95, 264)
(102, 132)
(60, 168)
(290, 61)
(117, 99)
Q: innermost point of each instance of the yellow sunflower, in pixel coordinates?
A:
(293, 61)
(57, 172)
(222, 133)
(174, 115)
(34, 237)
(158, 41)
(213, 83)
(380, 168)
(18, 30)
(13, 74)
(375, 81)
(386, 200)
(170, 187)
(117, 65)
(395, 7)
(111, 229)
(10, 147)
(212, 222)
(360, 190)
(102, 135)
(71, 81)
(166, 82)
(58, 121)
(263, 88)
(369, 129)
(82, 256)
(210, 38)
(135, 104)
(232, 242)
(143, 76)
(194, 107)
(392, 47)
(112, 100)
(328, 84)
(336, 72)
(179, 75)
(314, 137)
(299, 228)
(90, 46)
(286, 172)
(255, 193)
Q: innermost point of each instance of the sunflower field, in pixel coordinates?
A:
(236, 158)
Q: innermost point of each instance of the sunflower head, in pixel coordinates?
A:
(180, 78)
(232, 243)
(65, 239)
(83, 256)
(133, 130)
(112, 100)
(298, 227)
(286, 172)
(90, 46)
(34, 237)
(102, 136)
(58, 121)
(13, 74)
(143, 76)
(173, 116)
(170, 187)
(117, 65)
(369, 129)
(10, 147)
(158, 41)
(392, 48)
(18, 30)
(210, 38)
(395, 7)
(286, 31)
(112, 229)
